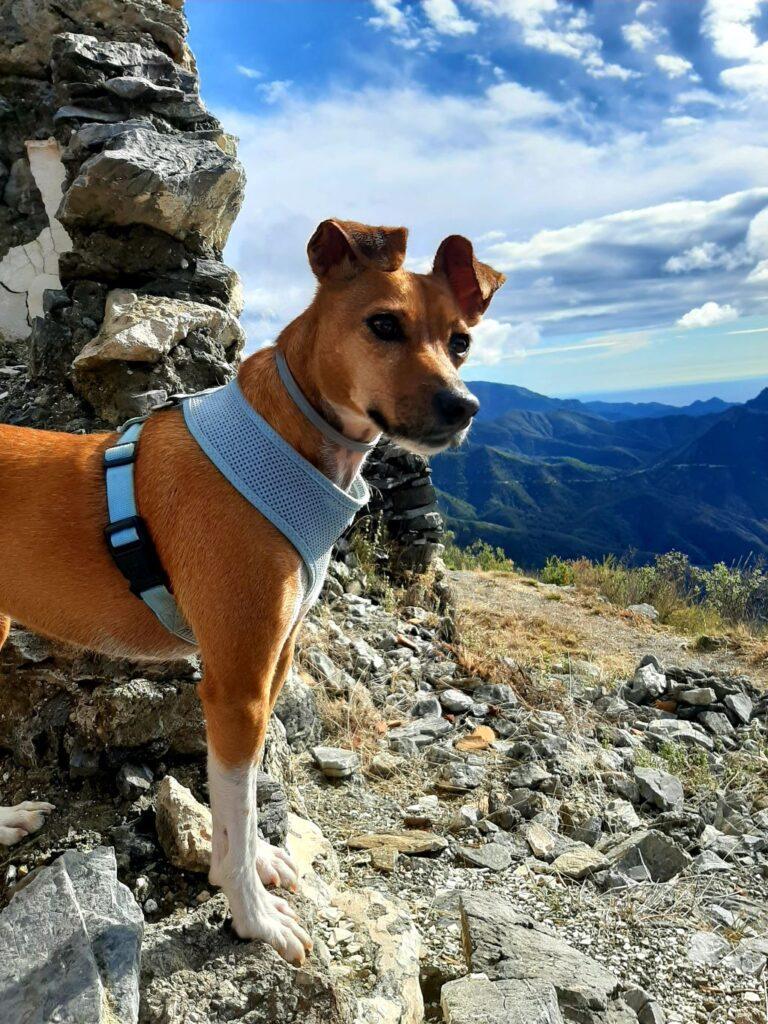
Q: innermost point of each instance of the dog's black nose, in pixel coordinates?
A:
(455, 408)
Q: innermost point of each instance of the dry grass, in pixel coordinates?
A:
(354, 723)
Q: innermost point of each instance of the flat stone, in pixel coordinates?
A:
(717, 723)
(707, 949)
(495, 693)
(460, 778)
(621, 816)
(507, 946)
(541, 841)
(413, 842)
(699, 696)
(740, 705)
(659, 788)
(422, 731)
(184, 826)
(645, 611)
(673, 730)
(528, 776)
(492, 856)
(477, 1000)
(708, 862)
(384, 858)
(579, 862)
(384, 764)
(336, 762)
(70, 943)
(648, 855)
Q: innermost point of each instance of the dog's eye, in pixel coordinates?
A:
(386, 327)
(459, 344)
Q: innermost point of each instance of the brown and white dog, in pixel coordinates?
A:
(379, 349)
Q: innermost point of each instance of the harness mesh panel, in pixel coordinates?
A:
(307, 508)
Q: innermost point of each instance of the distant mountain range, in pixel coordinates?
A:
(543, 476)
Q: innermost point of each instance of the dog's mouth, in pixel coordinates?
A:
(422, 441)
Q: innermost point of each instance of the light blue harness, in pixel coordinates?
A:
(305, 506)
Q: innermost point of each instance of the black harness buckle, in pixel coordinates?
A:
(136, 559)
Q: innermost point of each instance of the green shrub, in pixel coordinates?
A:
(558, 571)
(478, 555)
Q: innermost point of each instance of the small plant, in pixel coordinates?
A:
(478, 555)
(690, 765)
(558, 571)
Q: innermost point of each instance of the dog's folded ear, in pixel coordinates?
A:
(473, 283)
(342, 248)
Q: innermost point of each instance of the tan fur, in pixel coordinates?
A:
(235, 577)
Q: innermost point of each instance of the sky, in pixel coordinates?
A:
(610, 157)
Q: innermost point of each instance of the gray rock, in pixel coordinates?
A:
(528, 776)
(456, 701)
(507, 946)
(659, 788)
(133, 780)
(648, 855)
(492, 856)
(717, 723)
(336, 762)
(477, 1000)
(217, 979)
(422, 732)
(427, 707)
(645, 611)
(69, 945)
(707, 949)
(189, 189)
(645, 1006)
(749, 958)
(740, 706)
(459, 777)
(675, 731)
(648, 684)
(579, 862)
(296, 708)
(700, 696)
(495, 693)
(326, 671)
(708, 862)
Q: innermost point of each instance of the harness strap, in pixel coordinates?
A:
(314, 417)
(129, 541)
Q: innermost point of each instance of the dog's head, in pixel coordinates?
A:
(389, 343)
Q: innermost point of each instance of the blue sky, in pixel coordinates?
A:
(610, 157)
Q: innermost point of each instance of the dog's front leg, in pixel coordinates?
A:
(242, 862)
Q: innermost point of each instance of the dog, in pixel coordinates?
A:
(378, 350)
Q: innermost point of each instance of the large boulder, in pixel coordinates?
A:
(187, 187)
(69, 945)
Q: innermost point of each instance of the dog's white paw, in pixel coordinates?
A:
(17, 822)
(262, 915)
(275, 866)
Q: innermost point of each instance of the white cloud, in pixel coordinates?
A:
(707, 256)
(247, 72)
(730, 26)
(446, 18)
(515, 102)
(508, 162)
(275, 92)
(495, 342)
(708, 315)
(683, 121)
(391, 17)
(673, 65)
(757, 235)
(555, 28)
(640, 36)
(759, 273)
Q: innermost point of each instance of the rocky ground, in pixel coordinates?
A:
(576, 836)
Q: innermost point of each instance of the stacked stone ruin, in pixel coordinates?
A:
(118, 190)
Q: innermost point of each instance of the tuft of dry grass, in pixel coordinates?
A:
(354, 723)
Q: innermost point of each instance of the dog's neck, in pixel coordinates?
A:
(262, 387)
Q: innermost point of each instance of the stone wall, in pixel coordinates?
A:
(118, 193)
